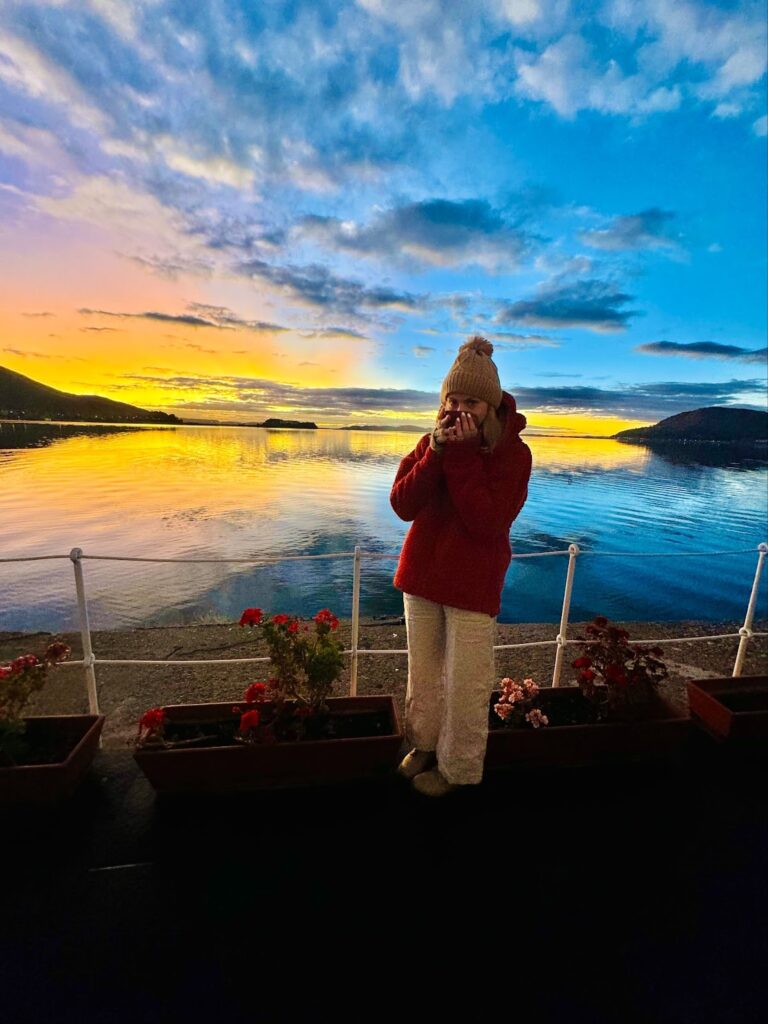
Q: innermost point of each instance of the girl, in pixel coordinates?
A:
(462, 487)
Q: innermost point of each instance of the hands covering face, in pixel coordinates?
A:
(455, 427)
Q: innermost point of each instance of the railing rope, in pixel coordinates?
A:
(746, 630)
(89, 660)
(561, 640)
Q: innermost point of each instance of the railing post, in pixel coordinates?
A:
(746, 630)
(355, 622)
(76, 555)
(573, 553)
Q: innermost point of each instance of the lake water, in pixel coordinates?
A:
(237, 493)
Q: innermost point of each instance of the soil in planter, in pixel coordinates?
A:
(39, 744)
(744, 700)
(222, 732)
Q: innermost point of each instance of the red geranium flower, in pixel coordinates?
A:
(326, 617)
(153, 720)
(583, 662)
(251, 617)
(249, 720)
(280, 619)
(255, 691)
(293, 626)
(615, 674)
(587, 674)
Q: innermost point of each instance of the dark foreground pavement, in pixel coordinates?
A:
(632, 893)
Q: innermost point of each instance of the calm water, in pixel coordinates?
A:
(241, 492)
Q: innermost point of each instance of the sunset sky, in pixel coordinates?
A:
(232, 210)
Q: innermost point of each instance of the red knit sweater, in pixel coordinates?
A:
(463, 502)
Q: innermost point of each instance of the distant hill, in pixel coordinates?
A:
(22, 398)
(403, 428)
(711, 424)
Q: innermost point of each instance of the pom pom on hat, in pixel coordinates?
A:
(474, 373)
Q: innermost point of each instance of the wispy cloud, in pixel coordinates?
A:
(594, 305)
(215, 317)
(705, 350)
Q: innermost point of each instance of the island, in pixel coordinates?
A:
(22, 398)
(711, 424)
(293, 424)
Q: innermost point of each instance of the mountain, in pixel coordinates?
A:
(711, 424)
(22, 398)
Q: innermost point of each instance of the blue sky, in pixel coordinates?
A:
(235, 209)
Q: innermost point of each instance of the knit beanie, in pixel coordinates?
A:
(474, 373)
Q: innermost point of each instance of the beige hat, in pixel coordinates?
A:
(474, 373)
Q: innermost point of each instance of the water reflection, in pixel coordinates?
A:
(733, 455)
(15, 434)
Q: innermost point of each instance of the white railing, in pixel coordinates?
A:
(561, 641)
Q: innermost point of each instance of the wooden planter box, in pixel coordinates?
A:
(663, 734)
(76, 737)
(246, 767)
(731, 708)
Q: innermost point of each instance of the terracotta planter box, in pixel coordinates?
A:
(247, 767)
(731, 708)
(663, 734)
(74, 739)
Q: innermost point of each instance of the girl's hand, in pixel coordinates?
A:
(449, 432)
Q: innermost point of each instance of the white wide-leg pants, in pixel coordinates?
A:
(450, 679)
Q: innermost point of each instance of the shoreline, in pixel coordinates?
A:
(126, 691)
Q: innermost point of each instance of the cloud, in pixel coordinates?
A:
(214, 317)
(333, 334)
(645, 230)
(568, 77)
(315, 285)
(184, 319)
(511, 340)
(593, 305)
(37, 314)
(705, 350)
(422, 351)
(760, 126)
(442, 232)
(637, 401)
(256, 395)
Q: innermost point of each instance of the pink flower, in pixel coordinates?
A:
(536, 718)
(503, 710)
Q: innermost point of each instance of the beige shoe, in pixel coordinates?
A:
(416, 762)
(432, 783)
